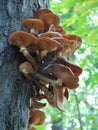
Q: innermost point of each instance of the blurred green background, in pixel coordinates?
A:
(78, 17)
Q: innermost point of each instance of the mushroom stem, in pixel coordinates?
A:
(44, 89)
(36, 81)
(32, 31)
(48, 80)
(25, 52)
(52, 28)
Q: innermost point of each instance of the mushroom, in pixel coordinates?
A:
(35, 26)
(26, 69)
(75, 69)
(22, 40)
(69, 45)
(74, 38)
(60, 30)
(43, 88)
(50, 34)
(46, 45)
(28, 72)
(41, 13)
(37, 117)
(51, 22)
(47, 60)
(59, 98)
(35, 78)
(63, 73)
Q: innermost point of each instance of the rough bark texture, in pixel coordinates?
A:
(14, 90)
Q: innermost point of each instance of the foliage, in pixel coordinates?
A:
(80, 17)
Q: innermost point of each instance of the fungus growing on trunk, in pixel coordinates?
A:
(51, 22)
(46, 45)
(35, 80)
(41, 13)
(61, 95)
(50, 34)
(63, 73)
(35, 26)
(69, 45)
(37, 117)
(75, 69)
(73, 37)
(60, 30)
(47, 69)
(26, 69)
(22, 40)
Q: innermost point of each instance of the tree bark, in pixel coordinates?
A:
(14, 89)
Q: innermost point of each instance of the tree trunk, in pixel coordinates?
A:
(14, 89)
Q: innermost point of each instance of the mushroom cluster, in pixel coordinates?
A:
(47, 48)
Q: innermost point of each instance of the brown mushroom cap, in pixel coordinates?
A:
(37, 118)
(76, 39)
(64, 73)
(65, 42)
(51, 20)
(27, 67)
(41, 13)
(50, 34)
(46, 45)
(75, 69)
(73, 37)
(21, 39)
(60, 30)
(69, 45)
(59, 98)
(35, 25)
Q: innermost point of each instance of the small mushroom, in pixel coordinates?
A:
(47, 60)
(63, 41)
(51, 22)
(37, 117)
(63, 73)
(28, 72)
(73, 37)
(26, 69)
(46, 45)
(41, 13)
(50, 34)
(69, 45)
(35, 78)
(35, 26)
(60, 30)
(75, 69)
(22, 40)
(42, 87)
(77, 40)
(59, 98)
